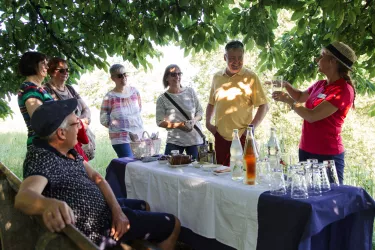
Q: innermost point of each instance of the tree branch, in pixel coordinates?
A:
(49, 31)
(13, 26)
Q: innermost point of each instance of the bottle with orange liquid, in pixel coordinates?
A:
(250, 156)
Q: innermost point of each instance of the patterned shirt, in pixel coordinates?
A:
(165, 110)
(69, 182)
(121, 113)
(26, 91)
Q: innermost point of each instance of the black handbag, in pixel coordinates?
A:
(184, 114)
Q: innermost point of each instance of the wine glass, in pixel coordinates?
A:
(277, 83)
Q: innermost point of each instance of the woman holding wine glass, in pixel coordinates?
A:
(326, 104)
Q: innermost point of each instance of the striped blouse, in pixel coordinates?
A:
(121, 114)
(166, 111)
(26, 91)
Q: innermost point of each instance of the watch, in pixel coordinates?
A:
(293, 105)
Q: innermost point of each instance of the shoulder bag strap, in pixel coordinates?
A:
(184, 114)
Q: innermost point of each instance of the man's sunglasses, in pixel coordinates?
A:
(63, 71)
(174, 74)
(122, 75)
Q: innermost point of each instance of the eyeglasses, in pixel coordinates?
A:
(78, 124)
(174, 74)
(122, 75)
(63, 71)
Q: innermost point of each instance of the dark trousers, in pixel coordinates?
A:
(123, 150)
(190, 150)
(222, 148)
(339, 161)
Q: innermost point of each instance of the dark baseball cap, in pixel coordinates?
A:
(49, 116)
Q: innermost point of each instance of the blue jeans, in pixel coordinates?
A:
(123, 150)
(190, 150)
(339, 161)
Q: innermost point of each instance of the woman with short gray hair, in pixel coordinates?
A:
(121, 112)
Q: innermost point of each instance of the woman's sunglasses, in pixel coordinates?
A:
(122, 75)
(174, 74)
(63, 71)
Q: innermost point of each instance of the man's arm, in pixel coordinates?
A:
(260, 114)
(209, 113)
(29, 199)
(120, 223)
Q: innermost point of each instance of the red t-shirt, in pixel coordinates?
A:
(324, 136)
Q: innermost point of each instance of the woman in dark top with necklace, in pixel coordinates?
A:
(59, 73)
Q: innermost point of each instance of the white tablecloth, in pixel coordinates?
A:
(211, 206)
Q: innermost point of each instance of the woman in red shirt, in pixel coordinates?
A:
(327, 103)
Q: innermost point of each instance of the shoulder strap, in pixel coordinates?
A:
(72, 91)
(176, 105)
(184, 114)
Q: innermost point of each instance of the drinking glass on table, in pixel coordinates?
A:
(332, 172)
(309, 173)
(299, 187)
(277, 186)
(263, 172)
(326, 186)
(175, 152)
(316, 188)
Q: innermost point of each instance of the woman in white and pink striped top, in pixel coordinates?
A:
(121, 112)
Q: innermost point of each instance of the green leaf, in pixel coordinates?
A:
(297, 14)
(340, 20)
(351, 17)
(301, 27)
(236, 10)
(184, 3)
(372, 111)
(186, 52)
(250, 44)
(327, 36)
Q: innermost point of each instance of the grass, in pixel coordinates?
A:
(13, 151)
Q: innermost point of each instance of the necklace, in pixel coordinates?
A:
(64, 89)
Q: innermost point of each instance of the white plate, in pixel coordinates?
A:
(178, 166)
(221, 173)
(196, 164)
(163, 161)
(210, 167)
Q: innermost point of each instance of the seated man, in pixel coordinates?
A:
(64, 189)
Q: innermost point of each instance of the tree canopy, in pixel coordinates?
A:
(87, 32)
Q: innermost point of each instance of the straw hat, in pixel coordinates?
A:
(343, 53)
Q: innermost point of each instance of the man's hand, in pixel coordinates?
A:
(211, 128)
(57, 215)
(120, 225)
